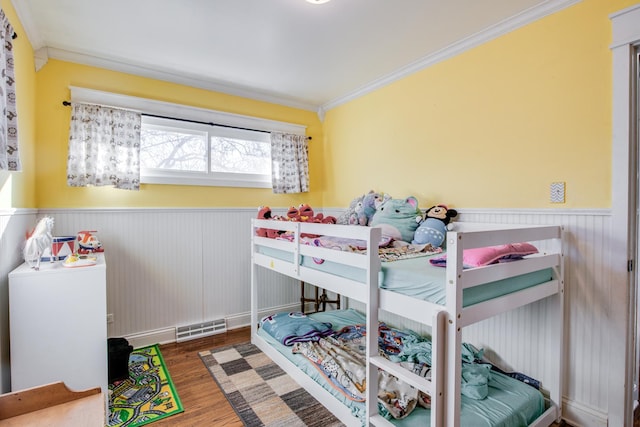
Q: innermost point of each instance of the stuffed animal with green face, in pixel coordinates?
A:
(398, 218)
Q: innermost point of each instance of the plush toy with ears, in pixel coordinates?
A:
(398, 218)
(433, 229)
(370, 203)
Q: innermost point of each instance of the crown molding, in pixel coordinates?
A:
(517, 21)
(526, 17)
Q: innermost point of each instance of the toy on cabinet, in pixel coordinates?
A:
(88, 243)
(37, 241)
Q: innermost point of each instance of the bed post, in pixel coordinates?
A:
(254, 286)
(454, 330)
(556, 304)
(373, 268)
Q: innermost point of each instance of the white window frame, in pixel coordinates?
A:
(205, 178)
(234, 122)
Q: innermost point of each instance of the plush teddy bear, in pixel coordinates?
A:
(398, 218)
(433, 229)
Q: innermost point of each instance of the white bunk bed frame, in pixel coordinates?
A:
(446, 321)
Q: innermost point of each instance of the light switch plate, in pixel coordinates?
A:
(557, 192)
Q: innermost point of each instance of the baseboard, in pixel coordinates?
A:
(168, 335)
(159, 336)
(577, 414)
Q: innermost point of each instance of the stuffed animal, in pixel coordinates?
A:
(362, 208)
(293, 214)
(398, 218)
(327, 219)
(39, 239)
(264, 212)
(370, 204)
(433, 229)
(360, 215)
(350, 216)
(305, 213)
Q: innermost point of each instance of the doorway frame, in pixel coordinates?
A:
(625, 36)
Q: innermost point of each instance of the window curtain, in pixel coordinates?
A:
(9, 155)
(289, 163)
(104, 147)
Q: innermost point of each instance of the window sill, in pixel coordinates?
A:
(204, 181)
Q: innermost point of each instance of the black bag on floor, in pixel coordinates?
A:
(119, 351)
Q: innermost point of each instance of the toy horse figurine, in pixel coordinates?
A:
(37, 241)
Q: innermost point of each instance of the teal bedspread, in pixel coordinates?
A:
(418, 278)
(510, 403)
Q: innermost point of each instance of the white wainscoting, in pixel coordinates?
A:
(172, 267)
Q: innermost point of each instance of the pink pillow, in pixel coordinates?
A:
(478, 257)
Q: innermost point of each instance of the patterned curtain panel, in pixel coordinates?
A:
(104, 147)
(9, 158)
(289, 163)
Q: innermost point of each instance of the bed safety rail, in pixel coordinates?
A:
(293, 249)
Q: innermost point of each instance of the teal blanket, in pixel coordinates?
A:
(290, 328)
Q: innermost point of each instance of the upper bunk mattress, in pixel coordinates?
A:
(418, 278)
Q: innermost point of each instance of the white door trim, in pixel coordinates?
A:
(626, 33)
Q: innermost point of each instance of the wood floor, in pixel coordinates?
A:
(203, 402)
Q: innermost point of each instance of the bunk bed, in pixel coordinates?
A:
(463, 296)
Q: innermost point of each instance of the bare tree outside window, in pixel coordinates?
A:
(162, 149)
(179, 152)
(240, 156)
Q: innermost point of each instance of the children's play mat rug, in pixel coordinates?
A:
(260, 392)
(147, 395)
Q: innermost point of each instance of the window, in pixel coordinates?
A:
(183, 152)
(187, 153)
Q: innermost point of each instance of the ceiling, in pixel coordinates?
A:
(310, 56)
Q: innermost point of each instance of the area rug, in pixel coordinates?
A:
(147, 395)
(260, 392)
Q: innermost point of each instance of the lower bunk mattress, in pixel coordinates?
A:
(509, 403)
(418, 278)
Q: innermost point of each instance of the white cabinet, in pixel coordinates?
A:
(57, 319)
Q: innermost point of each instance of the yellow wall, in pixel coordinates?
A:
(17, 188)
(53, 82)
(492, 127)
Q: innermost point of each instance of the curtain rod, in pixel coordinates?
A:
(67, 104)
